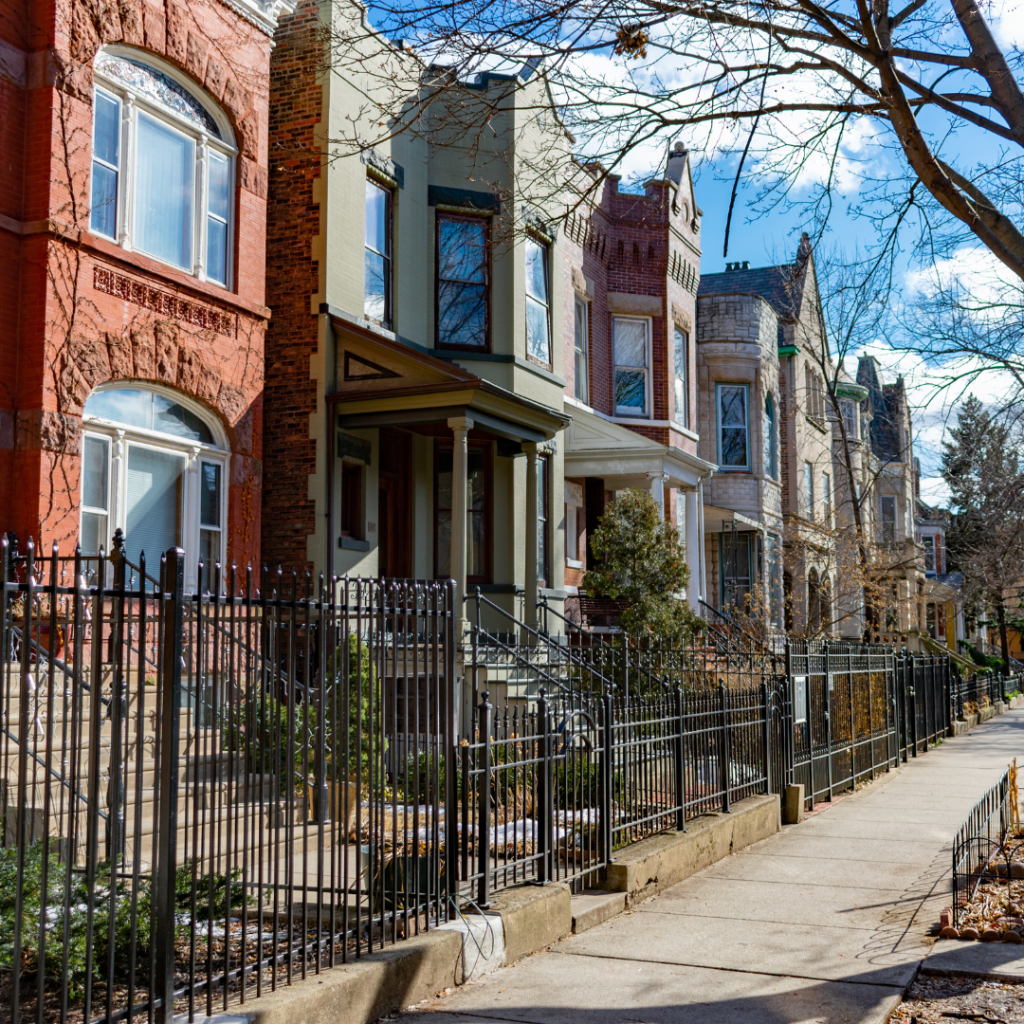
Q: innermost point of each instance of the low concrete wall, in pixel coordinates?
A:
(654, 864)
(368, 989)
(533, 917)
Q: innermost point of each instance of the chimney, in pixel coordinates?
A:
(731, 268)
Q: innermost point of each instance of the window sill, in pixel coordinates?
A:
(352, 544)
(573, 563)
(144, 264)
(817, 424)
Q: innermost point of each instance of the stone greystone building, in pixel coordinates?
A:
(734, 398)
(632, 263)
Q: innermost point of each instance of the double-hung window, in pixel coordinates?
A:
(733, 427)
(887, 508)
(581, 361)
(808, 490)
(771, 458)
(631, 351)
(826, 498)
(928, 541)
(463, 281)
(162, 168)
(538, 302)
(848, 408)
(377, 260)
(681, 356)
(477, 512)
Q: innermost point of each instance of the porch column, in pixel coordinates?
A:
(694, 549)
(460, 427)
(532, 536)
(658, 490)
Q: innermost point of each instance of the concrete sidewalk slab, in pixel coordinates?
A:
(734, 943)
(783, 902)
(771, 868)
(556, 988)
(1000, 960)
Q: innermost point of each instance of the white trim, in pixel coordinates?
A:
(647, 368)
(220, 436)
(132, 102)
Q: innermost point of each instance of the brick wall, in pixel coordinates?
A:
(290, 454)
(80, 310)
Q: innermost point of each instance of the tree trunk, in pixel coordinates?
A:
(1004, 639)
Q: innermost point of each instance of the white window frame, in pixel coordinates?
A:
(681, 416)
(928, 543)
(719, 385)
(581, 389)
(625, 410)
(808, 489)
(850, 411)
(131, 103)
(545, 252)
(195, 452)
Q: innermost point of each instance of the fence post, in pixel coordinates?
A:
(765, 737)
(723, 755)
(483, 856)
(680, 765)
(545, 822)
(828, 715)
(912, 694)
(166, 839)
(789, 720)
(607, 775)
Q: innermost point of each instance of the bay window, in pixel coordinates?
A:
(887, 508)
(631, 353)
(162, 167)
(771, 456)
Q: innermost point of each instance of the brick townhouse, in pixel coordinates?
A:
(413, 367)
(133, 204)
(632, 268)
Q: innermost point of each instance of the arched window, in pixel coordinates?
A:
(155, 466)
(162, 166)
(771, 459)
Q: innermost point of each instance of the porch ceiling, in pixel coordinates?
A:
(715, 519)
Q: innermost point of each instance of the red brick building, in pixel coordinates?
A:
(633, 267)
(133, 189)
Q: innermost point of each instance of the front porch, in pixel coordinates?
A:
(412, 438)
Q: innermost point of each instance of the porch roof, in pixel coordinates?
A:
(383, 383)
(598, 447)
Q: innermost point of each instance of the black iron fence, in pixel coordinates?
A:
(550, 791)
(980, 841)
(206, 796)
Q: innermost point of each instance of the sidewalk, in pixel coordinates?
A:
(825, 923)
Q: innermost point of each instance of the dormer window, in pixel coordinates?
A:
(162, 168)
